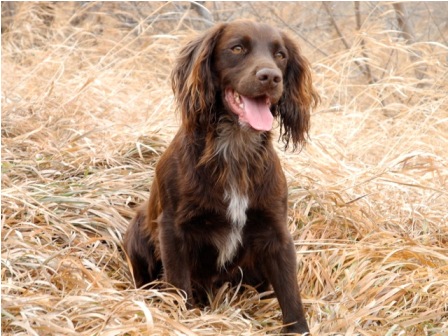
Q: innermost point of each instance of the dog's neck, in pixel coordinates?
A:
(233, 154)
(235, 143)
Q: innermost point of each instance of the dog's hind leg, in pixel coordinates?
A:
(141, 250)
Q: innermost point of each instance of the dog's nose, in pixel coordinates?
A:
(269, 77)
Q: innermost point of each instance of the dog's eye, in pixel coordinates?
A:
(237, 50)
(280, 55)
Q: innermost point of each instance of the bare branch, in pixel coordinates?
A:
(403, 22)
(363, 47)
(344, 41)
(407, 33)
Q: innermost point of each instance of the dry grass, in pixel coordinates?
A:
(87, 109)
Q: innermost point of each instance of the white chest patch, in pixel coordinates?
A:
(236, 210)
(236, 213)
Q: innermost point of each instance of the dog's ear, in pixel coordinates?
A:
(299, 97)
(192, 79)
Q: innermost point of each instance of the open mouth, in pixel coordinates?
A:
(254, 111)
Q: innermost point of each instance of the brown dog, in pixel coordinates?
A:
(218, 203)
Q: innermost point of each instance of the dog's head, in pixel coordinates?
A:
(249, 71)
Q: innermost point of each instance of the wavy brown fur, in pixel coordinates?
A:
(218, 202)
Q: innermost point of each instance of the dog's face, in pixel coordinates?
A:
(250, 61)
(256, 71)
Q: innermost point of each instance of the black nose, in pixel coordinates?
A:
(269, 77)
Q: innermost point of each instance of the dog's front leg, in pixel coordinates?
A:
(175, 259)
(281, 271)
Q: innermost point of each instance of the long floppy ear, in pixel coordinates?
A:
(299, 97)
(192, 79)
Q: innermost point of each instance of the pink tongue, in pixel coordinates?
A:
(257, 113)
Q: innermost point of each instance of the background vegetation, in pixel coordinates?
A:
(87, 109)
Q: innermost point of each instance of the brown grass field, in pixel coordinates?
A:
(87, 109)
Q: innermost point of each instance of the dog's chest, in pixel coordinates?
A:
(236, 214)
(240, 150)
